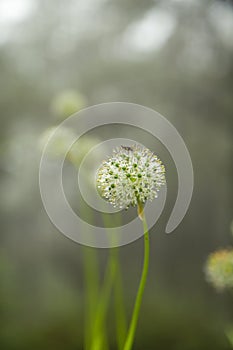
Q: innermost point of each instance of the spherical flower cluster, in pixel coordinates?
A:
(132, 175)
(219, 269)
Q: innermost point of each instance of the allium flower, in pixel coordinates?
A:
(219, 269)
(131, 176)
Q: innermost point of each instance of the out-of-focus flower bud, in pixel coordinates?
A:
(67, 103)
(219, 269)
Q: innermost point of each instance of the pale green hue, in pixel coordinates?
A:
(68, 102)
(137, 306)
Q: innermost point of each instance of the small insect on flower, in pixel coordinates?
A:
(131, 176)
(127, 148)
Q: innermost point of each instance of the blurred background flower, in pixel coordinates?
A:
(219, 269)
(67, 103)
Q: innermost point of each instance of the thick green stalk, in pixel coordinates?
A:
(132, 328)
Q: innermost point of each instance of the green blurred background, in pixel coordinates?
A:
(173, 56)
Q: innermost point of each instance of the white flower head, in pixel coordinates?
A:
(131, 176)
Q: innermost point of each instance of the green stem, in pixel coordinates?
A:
(134, 320)
(91, 274)
(112, 279)
(91, 280)
(103, 303)
(121, 326)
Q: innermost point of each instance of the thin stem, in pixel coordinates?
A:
(103, 298)
(103, 302)
(92, 334)
(91, 281)
(91, 274)
(134, 319)
(121, 326)
(112, 279)
(91, 278)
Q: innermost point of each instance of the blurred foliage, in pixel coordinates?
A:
(174, 56)
(60, 143)
(229, 334)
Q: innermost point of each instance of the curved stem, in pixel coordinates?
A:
(134, 319)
